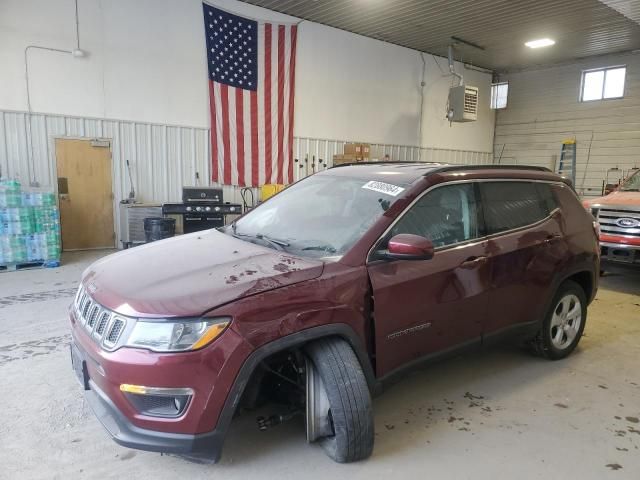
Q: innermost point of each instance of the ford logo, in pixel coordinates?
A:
(628, 222)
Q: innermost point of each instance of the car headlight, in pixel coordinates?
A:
(176, 336)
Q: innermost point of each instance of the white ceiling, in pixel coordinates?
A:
(581, 28)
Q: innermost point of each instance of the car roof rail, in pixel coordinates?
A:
(390, 162)
(448, 168)
(445, 167)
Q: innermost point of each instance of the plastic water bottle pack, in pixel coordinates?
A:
(29, 225)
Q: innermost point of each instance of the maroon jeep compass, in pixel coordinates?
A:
(314, 300)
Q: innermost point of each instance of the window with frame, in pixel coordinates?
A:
(511, 205)
(446, 215)
(603, 83)
(499, 94)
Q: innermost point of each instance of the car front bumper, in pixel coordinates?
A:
(198, 433)
(205, 446)
(619, 256)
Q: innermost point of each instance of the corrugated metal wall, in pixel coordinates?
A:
(543, 110)
(163, 158)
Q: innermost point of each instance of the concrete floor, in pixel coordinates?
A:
(497, 415)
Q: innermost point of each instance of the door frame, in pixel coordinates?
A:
(114, 202)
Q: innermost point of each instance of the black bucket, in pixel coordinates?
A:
(157, 228)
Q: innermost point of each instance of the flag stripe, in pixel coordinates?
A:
(292, 90)
(224, 96)
(281, 80)
(255, 153)
(246, 106)
(233, 140)
(214, 142)
(284, 168)
(240, 135)
(261, 109)
(274, 106)
(219, 133)
(267, 103)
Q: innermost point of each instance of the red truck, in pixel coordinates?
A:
(322, 295)
(618, 216)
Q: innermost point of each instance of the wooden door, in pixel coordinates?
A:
(85, 194)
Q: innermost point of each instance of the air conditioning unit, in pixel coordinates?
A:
(463, 104)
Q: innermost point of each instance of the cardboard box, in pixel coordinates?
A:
(353, 149)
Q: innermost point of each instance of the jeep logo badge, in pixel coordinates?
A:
(628, 222)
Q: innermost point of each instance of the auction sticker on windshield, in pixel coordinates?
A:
(382, 187)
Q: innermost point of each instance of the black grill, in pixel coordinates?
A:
(101, 324)
(93, 316)
(104, 320)
(115, 331)
(159, 405)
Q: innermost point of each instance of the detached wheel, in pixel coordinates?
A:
(338, 405)
(563, 326)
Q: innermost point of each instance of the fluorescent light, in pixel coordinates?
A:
(543, 42)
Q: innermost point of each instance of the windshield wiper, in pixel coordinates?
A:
(260, 236)
(323, 248)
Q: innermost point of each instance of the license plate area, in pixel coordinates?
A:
(621, 255)
(79, 365)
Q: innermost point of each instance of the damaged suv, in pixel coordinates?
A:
(321, 295)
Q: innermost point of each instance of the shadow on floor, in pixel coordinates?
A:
(628, 283)
(455, 393)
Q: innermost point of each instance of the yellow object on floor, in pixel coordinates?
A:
(269, 190)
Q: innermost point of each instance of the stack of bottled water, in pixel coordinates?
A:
(29, 225)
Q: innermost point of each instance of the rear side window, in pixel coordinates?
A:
(509, 205)
(546, 194)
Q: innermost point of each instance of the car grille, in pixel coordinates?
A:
(619, 221)
(103, 326)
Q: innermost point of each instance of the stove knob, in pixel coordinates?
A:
(217, 209)
(188, 209)
(207, 209)
(232, 209)
(198, 209)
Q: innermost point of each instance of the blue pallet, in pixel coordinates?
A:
(12, 267)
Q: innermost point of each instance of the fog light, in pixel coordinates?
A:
(142, 390)
(158, 401)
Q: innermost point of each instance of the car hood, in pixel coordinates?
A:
(631, 199)
(191, 274)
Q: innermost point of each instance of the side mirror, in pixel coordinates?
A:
(406, 246)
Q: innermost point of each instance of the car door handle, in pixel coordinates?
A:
(552, 238)
(473, 262)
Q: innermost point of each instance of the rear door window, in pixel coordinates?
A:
(510, 205)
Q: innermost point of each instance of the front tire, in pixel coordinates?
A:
(564, 323)
(339, 410)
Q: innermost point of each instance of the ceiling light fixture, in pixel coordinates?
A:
(543, 42)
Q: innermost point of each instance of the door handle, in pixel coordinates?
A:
(474, 262)
(552, 238)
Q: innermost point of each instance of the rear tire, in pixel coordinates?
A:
(350, 415)
(563, 324)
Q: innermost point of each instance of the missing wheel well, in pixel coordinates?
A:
(279, 379)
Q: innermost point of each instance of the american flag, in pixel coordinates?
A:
(251, 92)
